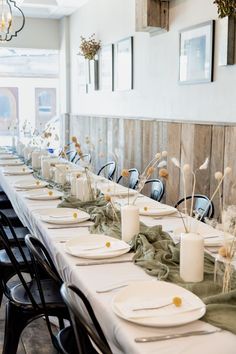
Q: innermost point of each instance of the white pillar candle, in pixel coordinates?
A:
(60, 173)
(73, 186)
(36, 160)
(191, 257)
(129, 222)
(82, 190)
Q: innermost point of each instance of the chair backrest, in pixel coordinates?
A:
(133, 178)
(18, 268)
(157, 189)
(41, 255)
(203, 207)
(108, 169)
(71, 154)
(84, 158)
(85, 324)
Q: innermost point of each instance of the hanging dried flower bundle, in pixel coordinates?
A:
(89, 47)
(226, 7)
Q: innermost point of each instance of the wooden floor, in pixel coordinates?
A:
(35, 338)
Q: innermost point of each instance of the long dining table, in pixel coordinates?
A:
(120, 333)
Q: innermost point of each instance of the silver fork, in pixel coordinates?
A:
(174, 336)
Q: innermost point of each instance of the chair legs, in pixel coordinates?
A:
(15, 322)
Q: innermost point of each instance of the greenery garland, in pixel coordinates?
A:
(226, 7)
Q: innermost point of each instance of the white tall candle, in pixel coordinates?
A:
(60, 173)
(73, 186)
(82, 190)
(36, 163)
(191, 257)
(129, 222)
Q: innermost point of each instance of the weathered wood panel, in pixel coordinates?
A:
(229, 190)
(136, 142)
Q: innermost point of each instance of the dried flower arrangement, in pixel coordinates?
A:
(149, 169)
(185, 171)
(89, 47)
(225, 7)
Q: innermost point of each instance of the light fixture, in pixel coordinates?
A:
(10, 26)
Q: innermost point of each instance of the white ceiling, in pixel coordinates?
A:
(53, 9)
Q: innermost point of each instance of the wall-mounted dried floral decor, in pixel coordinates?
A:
(226, 7)
(89, 47)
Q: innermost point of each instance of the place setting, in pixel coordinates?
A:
(62, 216)
(21, 171)
(30, 185)
(11, 162)
(43, 194)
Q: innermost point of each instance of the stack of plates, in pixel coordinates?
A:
(96, 246)
(148, 294)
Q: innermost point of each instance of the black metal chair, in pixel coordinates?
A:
(157, 189)
(86, 158)
(85, 324)
(133, 178)
(72, 154)
(108, 170)
(28, 300)
(202, 207)
(20, 252)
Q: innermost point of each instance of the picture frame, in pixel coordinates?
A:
(106, 65)
(123, 63)
(196, 53)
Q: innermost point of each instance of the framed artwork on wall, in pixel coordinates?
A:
(106, 65)
(196, 49)
(123, 63)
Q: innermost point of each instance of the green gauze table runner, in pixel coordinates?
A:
(155, 251)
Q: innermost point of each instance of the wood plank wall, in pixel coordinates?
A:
(137, 141)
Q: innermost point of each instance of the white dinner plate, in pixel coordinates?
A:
(63, 216)
(118, 191)
(35, 184)
(158, 210)
(96, 246)
(44, 195)
(7, 157)
(11, 163)
(151, 294)
(18, 172)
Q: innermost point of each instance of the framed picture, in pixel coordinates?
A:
(196, 46)
(124, 64)
(106, 64)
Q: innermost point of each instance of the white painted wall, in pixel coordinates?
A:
(156, 93)
(37, 33)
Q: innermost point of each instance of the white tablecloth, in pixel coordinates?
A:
(120, 333)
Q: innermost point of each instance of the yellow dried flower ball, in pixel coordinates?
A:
(150, 171)
(158, 155)
(164, 153)
(74, 139)
(177, 301)
(145, 208)
(75, 215)
(223, 251)
(228, 170)
(23, 169)
(107, 197)
(125, 173)
(108, 244)
(50, 193)
(218, 175)
(163, 173)
(37, 183)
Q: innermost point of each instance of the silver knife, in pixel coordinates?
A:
(98, 263)
(174, 336)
